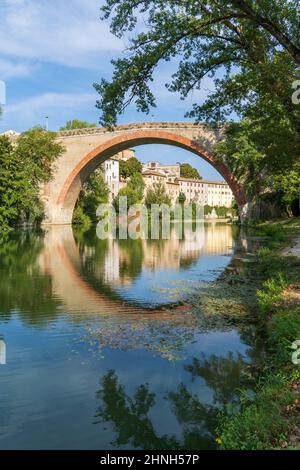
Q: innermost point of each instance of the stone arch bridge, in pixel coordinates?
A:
(86, 149)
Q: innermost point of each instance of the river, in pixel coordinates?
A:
(100, 348)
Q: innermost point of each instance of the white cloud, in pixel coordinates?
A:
(60, 32)
(58, 106)
(14, 69)
(50, 101)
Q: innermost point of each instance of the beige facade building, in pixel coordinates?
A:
(125, 155)
(168, 170)
(173, 190)
(211, 193)
(111, 171)
(152, 177)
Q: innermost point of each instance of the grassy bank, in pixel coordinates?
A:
(271, 418)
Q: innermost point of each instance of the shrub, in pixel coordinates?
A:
(271, 293)
(80, 218)
(137, 184)
(130, 167)
(132, 198)
(157, 195)
(285, 329)
(94, 192)
(261, 422)
(182, 198)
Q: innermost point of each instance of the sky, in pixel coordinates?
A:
(51, 53)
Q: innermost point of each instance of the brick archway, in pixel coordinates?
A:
(65, 191)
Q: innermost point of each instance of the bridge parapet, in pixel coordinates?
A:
(218, 128)
(203, 134)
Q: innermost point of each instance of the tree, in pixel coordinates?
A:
(137, 184)
(287, 185)
(239, 151)
(187, 171)
(157, 195)
(207, 36)
(182, 198)
(94, 192)
(38, 149)
(130, 167)
(23, 167)
(250, 49)
(12, 185)
(208, 209)
(134, 191)
(130, 194)
(244, 152)
(77, 124)
(221, 211)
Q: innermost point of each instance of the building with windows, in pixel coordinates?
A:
(111, 173)
(173, 190)
(210, 193)
(152, 177)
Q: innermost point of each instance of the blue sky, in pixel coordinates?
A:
(51, 53)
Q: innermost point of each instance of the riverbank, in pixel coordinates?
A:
(271, 418)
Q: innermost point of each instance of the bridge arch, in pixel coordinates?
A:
(68, 191)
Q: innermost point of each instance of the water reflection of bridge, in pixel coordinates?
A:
(63, 259)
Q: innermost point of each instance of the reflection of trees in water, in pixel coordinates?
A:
(198, 420)
(131, 415)
(22, 287)
(132, 256)
(133, 425)
(255, 337)
(224, 375)
(125, 257)
(90, 246)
